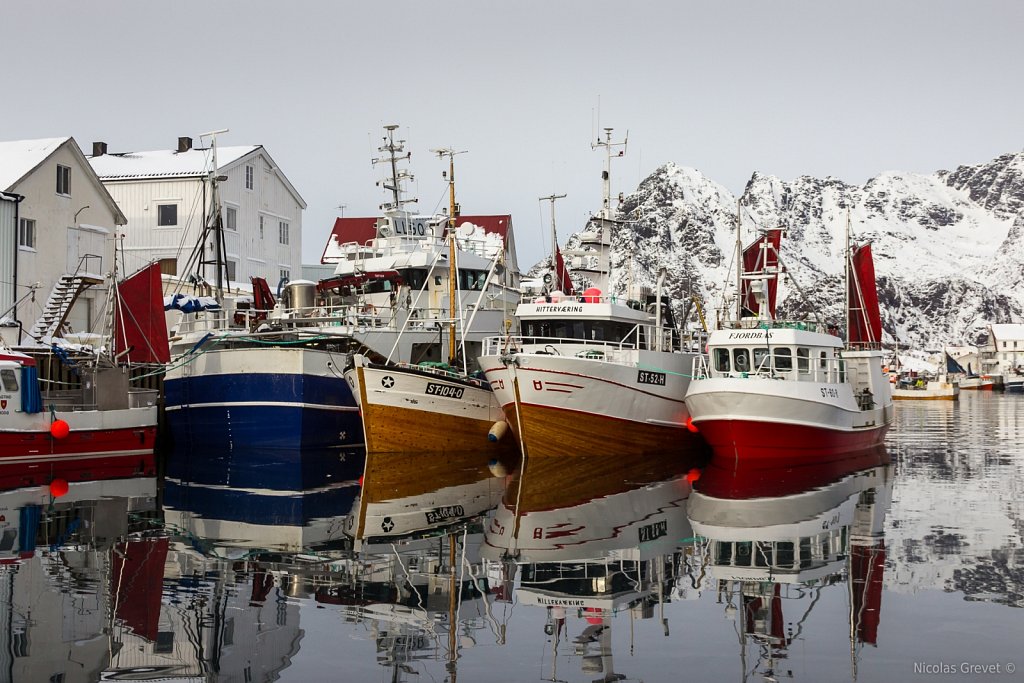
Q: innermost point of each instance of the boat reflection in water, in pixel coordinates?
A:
(770, 540)
(73, 593)
(594, 538)
(242, 562)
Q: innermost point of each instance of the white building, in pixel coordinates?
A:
(60, 233)
(1003, 353)
(166, 196)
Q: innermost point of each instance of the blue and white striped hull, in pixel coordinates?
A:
(269, 398)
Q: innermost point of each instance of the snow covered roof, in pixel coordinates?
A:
(19, 157)
(165, 163)
(1007, 331)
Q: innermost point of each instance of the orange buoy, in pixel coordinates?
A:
(59, 429)
(58, 487)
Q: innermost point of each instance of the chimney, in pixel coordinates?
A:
(184, 144)
(99, 149)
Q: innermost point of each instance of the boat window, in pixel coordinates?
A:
(760, 356)
(842, 370)
(414, 277)
(722, 360)
(785, 555)
(743, 549)
(824, 360)
(10, 380)
(741, 359)
(472, 279)
(724, 554)
(595, 330)
(783, 359)
(803, 360)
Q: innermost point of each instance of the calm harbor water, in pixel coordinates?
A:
(902, 564)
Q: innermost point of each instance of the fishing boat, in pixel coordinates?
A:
(773, 550)
(429, 406)
(96, 425)
(965, 378)
(939, 388)
(266, 375)
(769, 387)
(596, 372)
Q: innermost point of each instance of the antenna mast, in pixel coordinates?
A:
(606, 175)
(556, 274)
(395, 152)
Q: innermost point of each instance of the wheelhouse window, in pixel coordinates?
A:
(167, 215)
(27, 233)
(783, 359)
(590, 330)
(414, 277)
(803, 360)
(10, 380)
(760, 359)
(722, 363)
(741, 360)
(472, 279)
(823, 360)
(63, 180)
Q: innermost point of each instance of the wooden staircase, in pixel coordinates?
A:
(63, 296)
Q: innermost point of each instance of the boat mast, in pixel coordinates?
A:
(453, 213)
(215, 210)
(846, 279)
(556, 275)
(606, 216)
(739, 261)
(395, 152)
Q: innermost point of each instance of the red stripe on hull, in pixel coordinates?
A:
(34, 458)
(751, 440)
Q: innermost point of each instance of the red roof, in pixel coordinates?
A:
(362, 230)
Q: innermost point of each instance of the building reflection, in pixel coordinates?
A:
(770, 558)
(593, 538)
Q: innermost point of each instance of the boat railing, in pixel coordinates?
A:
(760, 324)
(591, 349)
(445, 371)
(770, 366)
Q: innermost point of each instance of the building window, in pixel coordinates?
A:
(248, 178)
(27, 233)
(231, 218)
(63, 179)
(232, 268)
(285, 275)
(168, 266)
(282, 232)
(167, 214)
(261, 227)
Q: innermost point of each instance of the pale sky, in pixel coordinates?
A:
(785, 88)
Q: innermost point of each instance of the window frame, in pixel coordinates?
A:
(250, 177)
(231, 218)
(159, 215)
(24, 223)
(283, 229)
(63, 184)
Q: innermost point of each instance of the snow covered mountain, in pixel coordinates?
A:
(948, 246)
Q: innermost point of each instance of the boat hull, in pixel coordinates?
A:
(563, 405)
(764, 419)
(100, 445)
(408, 410)
(226, 400)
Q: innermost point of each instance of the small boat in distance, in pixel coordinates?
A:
(967, 380)
(941, 388)
(771, 388)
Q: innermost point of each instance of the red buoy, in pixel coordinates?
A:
(59, 429)
(693, 475)
(58, 487)
(689, 425)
